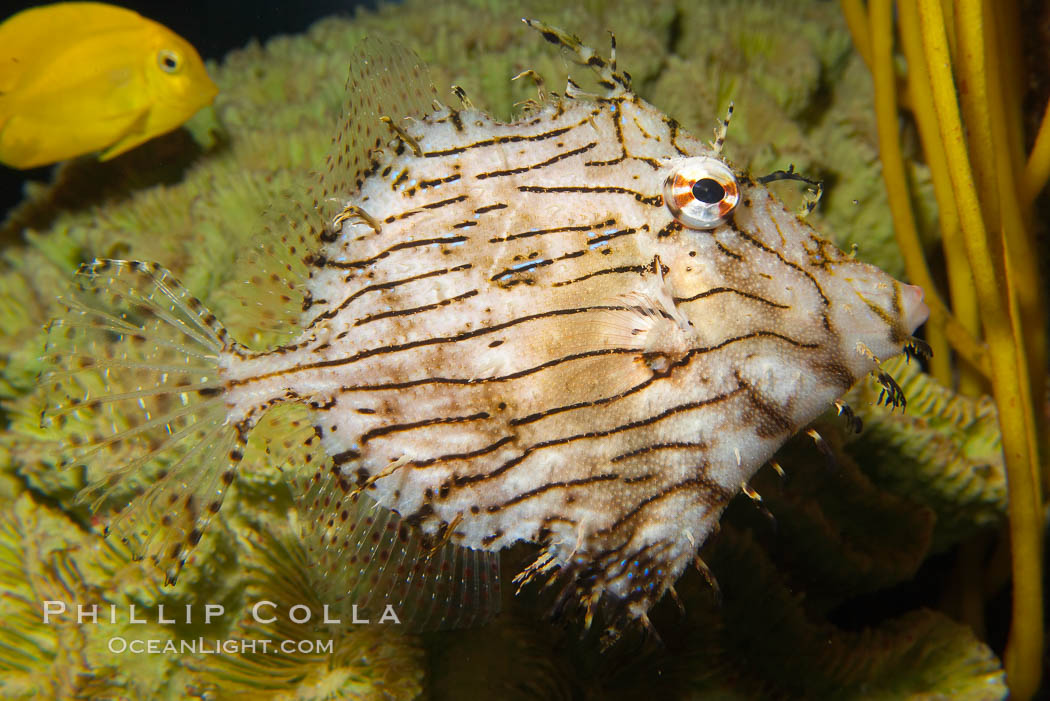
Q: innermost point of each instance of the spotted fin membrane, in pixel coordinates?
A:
(370, 559)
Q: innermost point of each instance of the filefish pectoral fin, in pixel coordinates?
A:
(134, 394)
(371, 558)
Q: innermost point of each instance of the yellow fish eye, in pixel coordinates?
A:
(169, 61)
(701, 192)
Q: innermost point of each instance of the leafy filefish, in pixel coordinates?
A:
(583, 328)
(77, 77)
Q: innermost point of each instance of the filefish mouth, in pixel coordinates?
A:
(915, 310)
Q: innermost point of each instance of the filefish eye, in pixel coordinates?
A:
(701, 192)
(169, 61)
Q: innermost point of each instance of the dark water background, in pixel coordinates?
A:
(214, 27)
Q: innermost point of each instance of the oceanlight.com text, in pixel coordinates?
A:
(203, 646)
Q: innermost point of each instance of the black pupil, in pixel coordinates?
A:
(169, 62)
(708, 191)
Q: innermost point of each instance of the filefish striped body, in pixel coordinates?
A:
(519, 332)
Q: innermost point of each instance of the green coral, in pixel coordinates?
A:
(944, 452)
(46, 557)
(852, 525)
(363, 663)
(760, 640)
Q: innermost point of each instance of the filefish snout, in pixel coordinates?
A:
(879, 314)
(915, 311)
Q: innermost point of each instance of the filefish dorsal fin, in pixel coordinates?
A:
(272, 291)
(386, 80)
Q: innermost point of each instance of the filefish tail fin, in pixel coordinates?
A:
(135, 394)
(373, 562)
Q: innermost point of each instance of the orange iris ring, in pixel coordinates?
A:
(682, 194)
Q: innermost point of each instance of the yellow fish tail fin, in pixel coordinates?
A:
(135, 392)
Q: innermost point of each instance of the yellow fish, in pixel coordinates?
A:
(77, 77)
